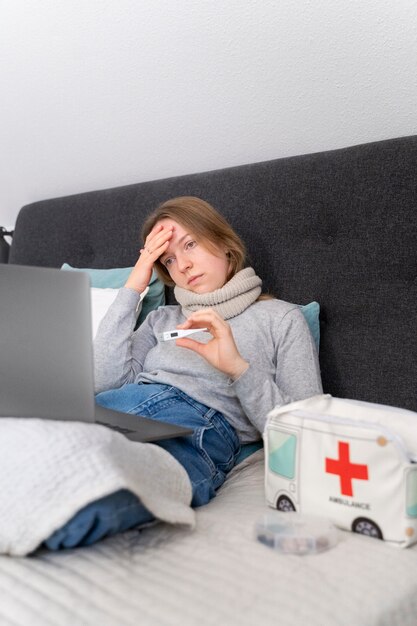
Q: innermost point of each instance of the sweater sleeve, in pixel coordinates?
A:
(118, 351)
(297, 374)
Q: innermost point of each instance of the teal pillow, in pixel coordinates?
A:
(311, 313)
(116, 277)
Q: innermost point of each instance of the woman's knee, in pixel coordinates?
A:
(123, 399)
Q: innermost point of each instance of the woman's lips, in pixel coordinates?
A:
(193, 279)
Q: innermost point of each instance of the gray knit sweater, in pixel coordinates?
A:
(271, 335)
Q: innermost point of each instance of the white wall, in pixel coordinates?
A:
(98, 93)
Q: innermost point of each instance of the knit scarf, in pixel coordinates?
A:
(230, 300)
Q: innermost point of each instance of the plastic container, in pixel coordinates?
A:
(293, 533)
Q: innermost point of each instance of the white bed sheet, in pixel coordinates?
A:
(215, 574)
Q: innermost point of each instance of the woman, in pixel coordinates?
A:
(256, 352)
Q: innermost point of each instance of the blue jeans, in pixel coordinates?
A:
(207, 455)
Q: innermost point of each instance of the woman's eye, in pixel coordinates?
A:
(190, 244)
(168, 262)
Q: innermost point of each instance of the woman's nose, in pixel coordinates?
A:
(183, 262)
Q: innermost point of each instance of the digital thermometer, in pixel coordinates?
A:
(177, 334)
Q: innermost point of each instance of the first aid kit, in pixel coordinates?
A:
(353, 462)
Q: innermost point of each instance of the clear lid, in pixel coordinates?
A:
(294, 533)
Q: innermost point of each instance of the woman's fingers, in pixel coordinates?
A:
(220, 351)
(155, 244)
(157, 241)
(152, 252)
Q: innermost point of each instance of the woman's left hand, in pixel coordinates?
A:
(221, 351)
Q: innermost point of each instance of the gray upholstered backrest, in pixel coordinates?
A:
(338, 227)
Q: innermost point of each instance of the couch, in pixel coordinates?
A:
(338, 227)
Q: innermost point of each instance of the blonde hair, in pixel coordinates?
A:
(205, 224)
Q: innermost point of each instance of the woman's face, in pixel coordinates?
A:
(190, 264)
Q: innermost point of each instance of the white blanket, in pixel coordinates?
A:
(219, 574)
(50, 470)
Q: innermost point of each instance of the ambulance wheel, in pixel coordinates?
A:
(365, 526)
(285, 504)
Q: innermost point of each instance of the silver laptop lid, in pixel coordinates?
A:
(46, 355)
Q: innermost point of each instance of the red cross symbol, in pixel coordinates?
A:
(346, 470)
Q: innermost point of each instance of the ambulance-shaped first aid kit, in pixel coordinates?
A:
(352, 462)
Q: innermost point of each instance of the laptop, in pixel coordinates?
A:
(46, 353)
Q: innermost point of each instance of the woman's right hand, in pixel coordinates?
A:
(156, 244)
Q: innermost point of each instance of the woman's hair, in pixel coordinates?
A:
(205, 224)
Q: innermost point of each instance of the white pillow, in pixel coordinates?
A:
(101, 299)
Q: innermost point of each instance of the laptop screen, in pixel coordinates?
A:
(46, 352)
